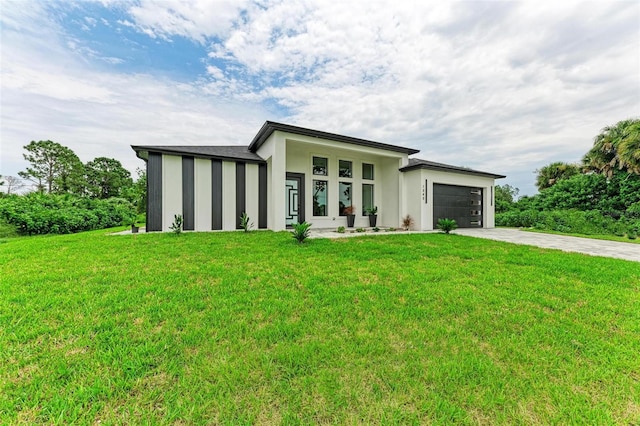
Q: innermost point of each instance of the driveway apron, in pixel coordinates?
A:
(619, 250)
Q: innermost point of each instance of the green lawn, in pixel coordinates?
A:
(253, 328)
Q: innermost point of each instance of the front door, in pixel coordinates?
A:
(294, 197)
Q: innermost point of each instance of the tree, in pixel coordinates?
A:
(105, 178)
(505, 197)
(616, 147)
(550, 174)
(54, 168)
(12, 184)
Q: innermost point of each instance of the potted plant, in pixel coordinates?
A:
(349, 211)
(372, 212)
(134, 227)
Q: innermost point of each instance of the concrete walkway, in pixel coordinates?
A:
(619, 250)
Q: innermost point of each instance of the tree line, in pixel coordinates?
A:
(599, 195)
(69, 196)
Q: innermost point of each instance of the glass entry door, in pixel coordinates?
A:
(294, 198)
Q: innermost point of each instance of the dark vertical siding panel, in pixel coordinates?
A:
(216, 194)
(188, 196)
(262, 196)
(154, 192)
(241, 191)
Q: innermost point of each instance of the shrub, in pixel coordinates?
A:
(176, 226)
(575, 221)
(245, 223)
(407, 222)
(447, 225)
(360, 230)
(36, 213)
(340, 230)
(301, 231)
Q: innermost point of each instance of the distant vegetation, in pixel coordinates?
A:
(599, 196)
(68, 196)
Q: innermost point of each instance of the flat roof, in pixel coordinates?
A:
(270, 126)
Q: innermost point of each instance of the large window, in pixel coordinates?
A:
(367, 171)
(320, 195)
(320, 166)
(344, 196)
(345, 169)
(367, 198)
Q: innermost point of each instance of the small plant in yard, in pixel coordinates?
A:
(340, 230)
(176, 226)
(360, 230)
(376, 229)
(392, 229)
(301, 231)
(407, 222)
(245, 222)
(447, 225)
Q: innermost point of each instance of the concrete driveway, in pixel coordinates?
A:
(619, 250)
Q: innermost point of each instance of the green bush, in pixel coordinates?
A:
(590, 222)
(34, 213)
(301, 231)
(447, 225)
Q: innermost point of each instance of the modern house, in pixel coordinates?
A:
(290, 174)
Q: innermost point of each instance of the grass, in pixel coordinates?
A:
(254, 328)
(594, 237)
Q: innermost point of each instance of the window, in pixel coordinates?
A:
(367, 171)
(320, 166)
(320, 195)
(345, 169)
(367, 197)
(344, 196)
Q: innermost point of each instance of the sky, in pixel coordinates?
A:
(500, 86)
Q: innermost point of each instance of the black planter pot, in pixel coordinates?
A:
(373, 219)
(134, 229)
(351, 218)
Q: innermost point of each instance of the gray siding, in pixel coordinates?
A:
(216, 194)
(154, 192)
(262, 196)
(188, 196)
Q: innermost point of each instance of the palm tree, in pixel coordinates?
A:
(616, 146)
(552, 173)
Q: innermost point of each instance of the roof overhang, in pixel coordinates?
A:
(450, 169)
(142, 152)
(269, 127)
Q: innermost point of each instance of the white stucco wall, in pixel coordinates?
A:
(228, 195)
(413, 200)
(252, 185)
(171, 189)
(202, 193)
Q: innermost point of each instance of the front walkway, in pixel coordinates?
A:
(619, 250)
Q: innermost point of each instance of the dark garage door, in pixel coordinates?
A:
(462, 203)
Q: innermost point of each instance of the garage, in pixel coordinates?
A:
(461, 203)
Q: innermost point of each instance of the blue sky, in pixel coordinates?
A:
(505, 87)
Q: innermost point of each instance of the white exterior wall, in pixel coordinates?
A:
(252, 185)
(202, 192)
(171, 189)
(228, 195)
(274, 151)
(413, 200)
(391, 189)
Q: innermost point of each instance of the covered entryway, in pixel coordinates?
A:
(461, 203)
